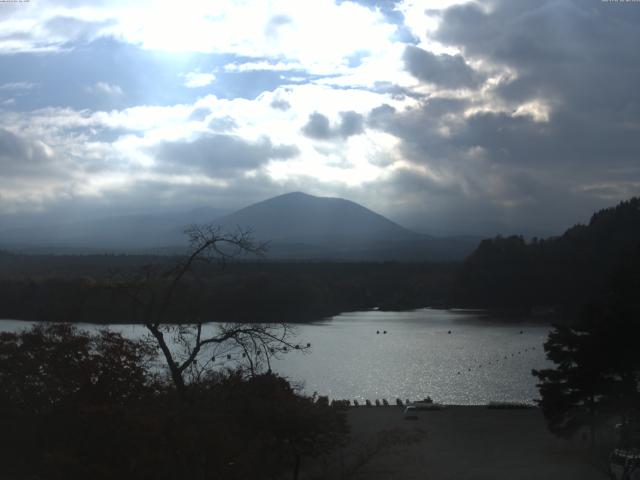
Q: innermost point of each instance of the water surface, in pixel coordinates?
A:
(483, 359)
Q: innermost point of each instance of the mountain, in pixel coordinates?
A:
(300, 217)
(302, 226)
(296, 225)
(564, 271)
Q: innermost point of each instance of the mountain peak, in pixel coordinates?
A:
(295, 194)
(298, 216)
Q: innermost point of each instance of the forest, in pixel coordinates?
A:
(81, 288)
(559, 273)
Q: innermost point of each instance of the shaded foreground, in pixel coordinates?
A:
(462, 443)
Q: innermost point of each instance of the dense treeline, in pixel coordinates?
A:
(565, 271)
(81, 289)
(595, 379)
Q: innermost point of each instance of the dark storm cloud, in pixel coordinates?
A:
(219, 155)
(519, 166)
(318, 126)
(419, 128)
(582, 56)
(449, 71)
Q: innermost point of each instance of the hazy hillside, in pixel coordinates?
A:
(125, 233)
(296, 225)
(558, 271)
(300, 217)
(301, 226)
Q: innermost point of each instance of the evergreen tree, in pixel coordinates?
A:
(597, 364)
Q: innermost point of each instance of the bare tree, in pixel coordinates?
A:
(201, 346)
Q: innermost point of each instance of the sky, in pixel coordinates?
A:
(447, 116)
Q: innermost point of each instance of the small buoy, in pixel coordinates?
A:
(520, 332)
(213, 359)
(308, 345)
(385, 332)
(377, 332)
(244, 355)
(228, 357)
(449, 332)
(458, 373)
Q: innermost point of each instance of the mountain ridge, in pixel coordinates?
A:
(300, 216)
(298, 226)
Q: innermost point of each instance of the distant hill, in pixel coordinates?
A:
(300, 217)
(508, 272)
(296, 225)
(124, 233)
(302, 226)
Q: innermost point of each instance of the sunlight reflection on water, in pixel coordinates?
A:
(481, 360)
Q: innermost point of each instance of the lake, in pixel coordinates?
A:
(483, 359)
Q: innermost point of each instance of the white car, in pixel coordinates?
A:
(410, 413)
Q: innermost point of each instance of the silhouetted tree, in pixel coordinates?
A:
(597, 366)
(153, 292)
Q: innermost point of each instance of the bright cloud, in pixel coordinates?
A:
(197, 79)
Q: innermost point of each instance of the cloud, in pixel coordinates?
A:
(448, 71)
(275, 23)
(18, 86)
(351, 123)
(494, 112)
(280, 104)
(106, 89)
(319, 128)
(256, 66)
(76, 29)
(21, 157)
(219, 155)
(270, 30)
(197, 79)
(548, 139)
